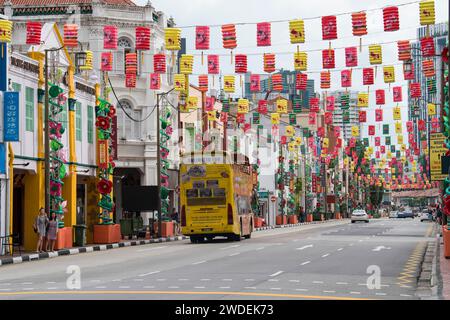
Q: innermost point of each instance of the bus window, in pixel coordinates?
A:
(219, 192)
(198, 184)
(205, 193)
(212, 183)
(192, 193)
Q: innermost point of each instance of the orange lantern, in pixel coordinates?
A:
(263, 34)
(71, 35)
(277, 82)
(155, 81)
(240, 63)
(269, 62)
(325, 80)
(359, 24)
(110, 37)
(107, 61)
(351, 57)
(404, 50)
(328, 59)
(329, 28)
(301, 81)
(131, 63)
(159, 63)
(203, 83)
(142, 38)
(391, 19)
(229, 36)
(368, 76)
(428, 68)
(34, 30)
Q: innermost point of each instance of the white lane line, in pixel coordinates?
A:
(318, 282)
(100, 287)
(355, 292)
(249, 280)
(380, 294)
(234, 254)
(305, 263)
(199, 262)
(28, 289)
(230, 247)
(138, 280)
(52, 288)
(296, 281)
(260, 248)
(227, 279)
(343, 283)
(305, 247)
(5, 289)
(351, 244)
(95, 280)
(199, 287)
(254, 288)
(161, 280)
(329, 291)
(340, 249)
(174, 287)
(150, 249)
(27, 283)
(124, 287)
(116, 280)
(149, 287)
(205, 279)
(51, 282)
(183, 279)
(360, 240)
(325, 255)
(273, 280)
(303, 290)
(147, 274)
(224, 287)
(275, 288)
(405, 295)
(276, 274)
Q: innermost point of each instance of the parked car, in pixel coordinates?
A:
(406, 214)
(393, 214)
(360, 215)
(426, 216)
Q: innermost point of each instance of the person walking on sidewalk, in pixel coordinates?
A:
(52, 232)
(40, 226)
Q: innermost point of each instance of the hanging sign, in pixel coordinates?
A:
(11, 116)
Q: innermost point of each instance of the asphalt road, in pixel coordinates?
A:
(327, 261)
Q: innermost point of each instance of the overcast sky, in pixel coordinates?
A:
(217, 12)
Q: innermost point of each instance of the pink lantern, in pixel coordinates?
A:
(255, 83)
(213, 64)
(397, 94)
(155, 81)
(106, 61)
(202, 38)
(329, 28)
(263, 35)
(380, 97)
(330, 103)
(142, 38)
(351, 57)
(346, 78)
(368, 76)
(110, 37)
(159, 63)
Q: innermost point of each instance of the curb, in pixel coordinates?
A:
(102, 247)
(297, 225)
(427, 283)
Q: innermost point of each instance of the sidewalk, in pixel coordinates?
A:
(26, 257)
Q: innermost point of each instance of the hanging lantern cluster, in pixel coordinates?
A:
(143, 35)
(269, 62)
(34, 31)
(110, 37)
(71, 35)
(263, 34)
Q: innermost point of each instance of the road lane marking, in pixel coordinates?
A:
(305, 247)
(183, 279)
(28, 289)
(405, 295)
(150, 249)
(355, 292)
(227, 279)
(318, 282)
(124, 287)
(205, 279)
(305, 263)
(200, 287)
(161, 279)
(380, 294)
(273, 280)
(329, 291)
(234, 254)
(174, 287)
(224, 287)
(260, 248)
(95, 280)
(147, 274)
(100, 287)
(138, 280)
(296, 281)
(275, 288)
(304, 290)
(51, 282)
(199, 262)
(27, 283)
(325, 255)
(276, 274)
(4, 289)
(343, 283)
(230, 247)
(340, 249)
(116, 280)
(149, 287)
(52, 288)
(206, 293)
(254, 288)
(249, 280)
(379, 248)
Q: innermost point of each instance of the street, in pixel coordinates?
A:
(326, 261)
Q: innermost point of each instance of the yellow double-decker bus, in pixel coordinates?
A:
(216, 192)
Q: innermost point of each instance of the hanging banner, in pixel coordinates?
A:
(103, 157)
(437, 151)
(114, 148)
(11, 116)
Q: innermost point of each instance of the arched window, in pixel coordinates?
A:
(127, 128)
(124, 46)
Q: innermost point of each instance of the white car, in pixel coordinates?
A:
(393, 214)
(426, 216)
(360, 215)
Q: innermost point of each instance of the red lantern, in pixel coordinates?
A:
(34, 30)
(203, 83)
(269, 62)
(359, 24)
(378, 115)
(362, 116)
(131, 63)
(130, 80)
(71, 35)
(202, 38)
(255, 83)
(368, 76)
(330, 103)
(263, 34)
(377, 141)
(143, 38)
(314, 104)
(351, 57)
(223, 117)
(277, 82)
(110, 37)
(328, 59)
(301, 81)
(328, 117)
(262, 106)
(325, 80)
(383, 149)
(329, 28)
(421, 124)
(159, 63)
(229, 36)
(428, 68)
(107, 61)
(391, 19)
(404, 50)
(240, 63)
(408, 74)
(155, 81)
(213, 64)
(415, 90)
(321, 132)
(209, 104)
(380, 97)
(346, 78)
(427, 47)
(397, 94)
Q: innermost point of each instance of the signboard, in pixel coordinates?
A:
(114, 128)
(331, 199)
(103, 156)
(437, 150)
(314, 183)
(11, 116)
(264, 194)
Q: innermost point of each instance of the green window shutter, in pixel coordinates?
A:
(16, 87)
(29, 109)
(78, 121)
(90, 124)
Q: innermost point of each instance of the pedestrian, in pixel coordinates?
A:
(175, 218)
(439, 215)
(40, 226)
(52, 232)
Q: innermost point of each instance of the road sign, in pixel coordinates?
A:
(437, 150)
(273, 198)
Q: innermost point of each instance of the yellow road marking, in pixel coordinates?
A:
(256, 294)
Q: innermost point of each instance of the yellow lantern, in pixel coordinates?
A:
(427, 14)
(297, 31)
(389, 74)
(180, 82)
(243, 106)
(375, 54)
(229, 84)
(363, 99)
(291, 146)
(389, 154)
(290, 131)
(298, 140)
(212, 116)
(403, 148)
(173, 39)
(192, 103)
(325, 143)
(282, 106)
(397, 113)
(346, 162)
(370, 150)
(5, 31)
(186, 64)
(398, 127)
(300, 61)
(355, 131)
(184, 108)
(431, 109)
(399, 139)
(275, 118)
(88, 65)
